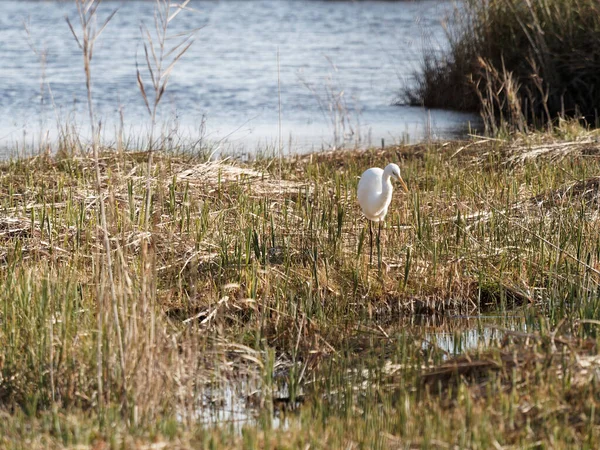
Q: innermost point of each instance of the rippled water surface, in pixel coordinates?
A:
(331, 53)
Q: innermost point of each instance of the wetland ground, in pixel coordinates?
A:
(248, 285)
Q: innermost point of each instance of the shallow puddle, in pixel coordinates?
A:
(247, 402)
(240, 403)
(463, 333)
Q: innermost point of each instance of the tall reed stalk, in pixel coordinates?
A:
(160, 62)
(87, 12)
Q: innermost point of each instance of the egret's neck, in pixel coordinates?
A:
(384, 199)
(386, 185)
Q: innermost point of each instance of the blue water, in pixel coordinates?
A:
(341, 67)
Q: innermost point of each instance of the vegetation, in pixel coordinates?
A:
(248, 279)
(518, 63)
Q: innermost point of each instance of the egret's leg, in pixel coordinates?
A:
(379, 245)
(370, 242)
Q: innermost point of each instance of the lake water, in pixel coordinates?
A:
(341, 67)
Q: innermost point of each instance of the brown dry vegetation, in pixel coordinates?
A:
(244, 276)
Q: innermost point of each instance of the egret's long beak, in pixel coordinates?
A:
(403, 184)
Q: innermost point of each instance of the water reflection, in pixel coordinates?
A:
(241, 403)
(460, 334)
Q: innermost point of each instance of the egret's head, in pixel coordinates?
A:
(394, 172)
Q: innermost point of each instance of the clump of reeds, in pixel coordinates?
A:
(517, 62)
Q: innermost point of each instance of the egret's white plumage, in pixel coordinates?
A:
(375, 195)
(375, 191)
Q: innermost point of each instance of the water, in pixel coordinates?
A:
(353, 57)
(237, 403)
(466, 333)
(244, 402)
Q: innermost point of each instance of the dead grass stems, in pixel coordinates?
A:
(87, 10)
(250, 273)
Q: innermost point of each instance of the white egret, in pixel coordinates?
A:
(375, 195)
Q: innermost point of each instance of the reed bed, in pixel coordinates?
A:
(244, 276)
(519, 63)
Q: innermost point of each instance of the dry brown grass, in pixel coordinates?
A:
(250, 277)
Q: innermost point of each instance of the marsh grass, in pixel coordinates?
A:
(518, 63)
(252, 276)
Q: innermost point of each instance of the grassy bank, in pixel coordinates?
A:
(518, 63)
(246, 277)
